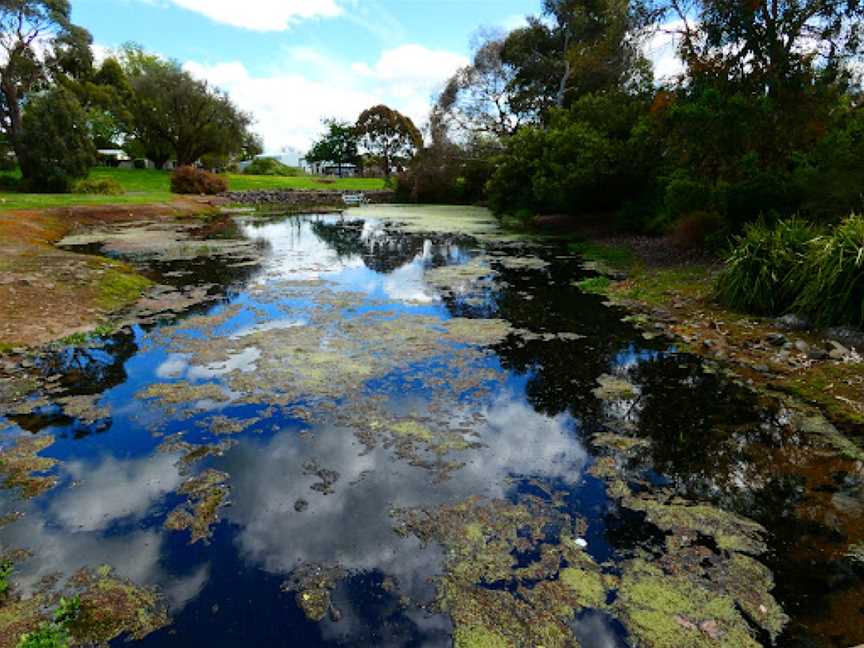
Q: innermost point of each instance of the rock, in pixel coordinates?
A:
(335, 614)
(761, 368)
(818, 354)
(793, 323)
(301, 505)
(849, 337)
(802, 346)
(777, 339)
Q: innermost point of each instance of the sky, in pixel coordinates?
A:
(292, 63)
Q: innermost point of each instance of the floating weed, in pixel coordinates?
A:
(730, 531)
(613, 388)
(22, 467)
(482, 574)
(664, 610)
(313, 587)
(206, 493)
(94, 607)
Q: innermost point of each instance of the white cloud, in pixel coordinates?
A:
(262, 15)
(662, 50)
(288, 106)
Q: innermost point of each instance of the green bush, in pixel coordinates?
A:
(271, 167)
(562, 169)
(101, 187)
(831, 280)
(57, 141)
(762, 268)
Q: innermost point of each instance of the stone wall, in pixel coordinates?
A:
(302, 198)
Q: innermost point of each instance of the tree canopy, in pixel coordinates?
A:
(388, 135)
(338, 144)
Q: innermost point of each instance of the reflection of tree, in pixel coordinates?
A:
(84, 371)
(565, 371)
(387, 251)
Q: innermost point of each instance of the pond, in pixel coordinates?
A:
(401, 427)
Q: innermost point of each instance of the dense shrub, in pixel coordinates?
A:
(555, 170)
(444, 174)
(102, 187)
(189, 180)
(698, 230)
(831, 280)
(762, 268)
(271, 167)
(57, 141)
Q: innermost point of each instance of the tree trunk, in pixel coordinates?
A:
(16, 127)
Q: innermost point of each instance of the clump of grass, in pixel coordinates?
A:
(760, 271)
(831, 280)
(595, 285)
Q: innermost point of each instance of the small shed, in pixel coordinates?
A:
(116, 158)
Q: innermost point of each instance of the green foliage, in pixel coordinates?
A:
(176, 115)
(762, 268)
(56, 633)
(271, 167)
(99, 187)
(6, 569)
(595, 285)
(189, 180)
(555, 170)
(831, 279)
(58, 145)
(338, 145)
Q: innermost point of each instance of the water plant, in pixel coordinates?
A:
(54, 634)
(761, 267)
(6, 568)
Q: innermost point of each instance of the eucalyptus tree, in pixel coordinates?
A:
(388, 135)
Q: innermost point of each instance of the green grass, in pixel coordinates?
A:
(238, 182)
(595, 285)
(149, 186)
(617, 258)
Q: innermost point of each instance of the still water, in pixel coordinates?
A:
(391, 435)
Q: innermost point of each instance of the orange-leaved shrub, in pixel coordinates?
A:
(189, 180)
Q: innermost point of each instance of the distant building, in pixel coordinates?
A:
(115, 158)
(288, 156)
(331, 169)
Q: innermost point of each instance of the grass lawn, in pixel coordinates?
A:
(147, 186)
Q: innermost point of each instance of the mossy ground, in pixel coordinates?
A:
(51, 294)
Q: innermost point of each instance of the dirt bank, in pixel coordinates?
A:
(49, 294)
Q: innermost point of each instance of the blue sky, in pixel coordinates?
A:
(292, 62)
